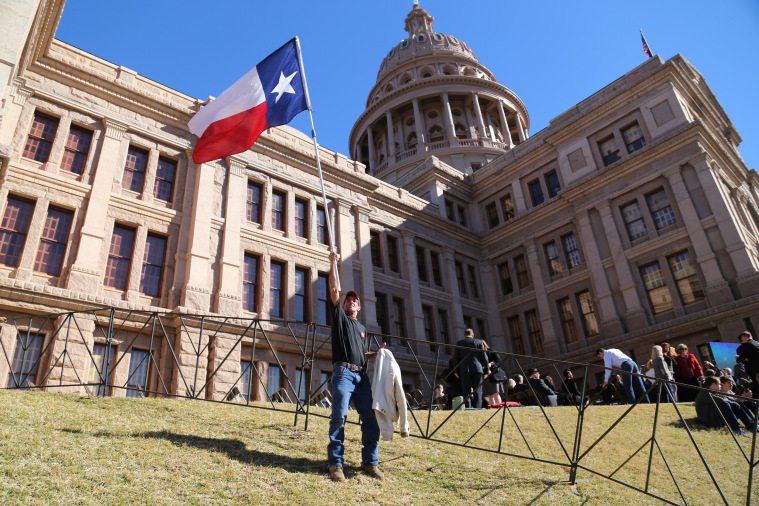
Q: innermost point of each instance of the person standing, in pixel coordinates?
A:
(350, 382)
(662, 372)
(748, 355)
(688, 370)
(634, 387)
(472, 360)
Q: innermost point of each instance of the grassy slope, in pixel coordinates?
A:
(62, 449)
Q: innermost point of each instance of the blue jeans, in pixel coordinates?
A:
(634, 387)
(734, 411)
(350, 386)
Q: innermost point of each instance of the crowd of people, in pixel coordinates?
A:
(721, 396)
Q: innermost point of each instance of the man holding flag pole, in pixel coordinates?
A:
(272, 94)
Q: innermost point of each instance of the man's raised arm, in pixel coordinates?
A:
(334, 286)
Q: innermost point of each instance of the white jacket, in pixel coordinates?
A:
(388, 398)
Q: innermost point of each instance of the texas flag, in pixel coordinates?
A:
(271, 94)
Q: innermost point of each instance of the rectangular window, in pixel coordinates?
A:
(138, 373)
(421, 264)
(254, 202)
(571, 250)
(468, 322)
(636, 226)
(375, 246)
(481, 328)
(507, 207)
(429, 334)
(276, 285)
(152, 265)
(450, 210)
(100, 373)
(686, 277)
(536, 192)
(321, 225)
(534, 332)
(492, 215)
(437, 277)
(633, 138)
(658, 293)
(661, 211)
(567, 318)
(164, 179)
(26, 358)
(515, 332)
(442, 327)
(119, 257)
(392, 253)
(250, 283)
(382, 317)
(300, 298)
(76, 150)
(134, 170)
(324, 307)
(460, 277)
(40, 138)
(301, 217)
(273, 380)
(504, 276)
(474, 288)
(552, 258)
(462, 215)
(609, 150)
(523, 275)
(246, 378)
(53, 242)
(552, 184)
(399, 318)
(278, 200)
(13, 230)
(589, 319)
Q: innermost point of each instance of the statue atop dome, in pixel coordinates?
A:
(418, 21)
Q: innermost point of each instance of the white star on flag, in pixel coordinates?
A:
(283, 86)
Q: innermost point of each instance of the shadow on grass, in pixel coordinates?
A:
(236, 449)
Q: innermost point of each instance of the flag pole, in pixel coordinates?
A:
(318, 160)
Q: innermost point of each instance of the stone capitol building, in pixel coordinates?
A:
(629, 220)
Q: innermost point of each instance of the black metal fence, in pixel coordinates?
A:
(273, 365)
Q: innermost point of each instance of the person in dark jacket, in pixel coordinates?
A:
(472, 360)
(748, 355)
(570, 391)
(545, 394)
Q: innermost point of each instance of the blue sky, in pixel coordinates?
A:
(553, 53)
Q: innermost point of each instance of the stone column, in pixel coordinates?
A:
(457, 312)
(450, 132)
(230, 276)
(415, 301)
(505, 130)
(717, 289)
(196, 294)
(421, 135)
(553, 340)
(361, 230)
(87, 270)
(496, 339)
(132, 289)
(607, 314)
(520, 204)
(372, 158)
(746, 274)
(478, 113)
(390, 138)
(635, 315)
(150, 174)
(520, 127)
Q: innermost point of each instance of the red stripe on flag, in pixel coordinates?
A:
(231, 135)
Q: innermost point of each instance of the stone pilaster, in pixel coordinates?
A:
(364, 257)
(414, 301)
(553, 343)
(229, 300)
(33, 236)
(69, 360)
(505, 130)
(457, 312)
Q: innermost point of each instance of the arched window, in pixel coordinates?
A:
(411, 140)
(460, 130)
(436, 133)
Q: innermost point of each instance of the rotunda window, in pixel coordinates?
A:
(421, 37)
(410, 122)
(460, 130)
(449, 70)
(453, 39)
(469, 71)
(411, 140)
(456, 112)
(426, 72)
(406, 78)
(432, 114)
(436, 133)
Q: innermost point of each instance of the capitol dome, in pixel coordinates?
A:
(433, 96)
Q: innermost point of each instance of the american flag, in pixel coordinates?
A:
(646, 49)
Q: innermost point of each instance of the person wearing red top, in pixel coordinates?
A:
(687, 370)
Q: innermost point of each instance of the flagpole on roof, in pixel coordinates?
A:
(318, 159)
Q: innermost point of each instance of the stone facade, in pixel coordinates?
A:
(631, 219)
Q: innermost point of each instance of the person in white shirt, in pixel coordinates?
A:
(634, 386)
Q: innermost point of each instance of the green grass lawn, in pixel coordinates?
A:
(63, 449)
